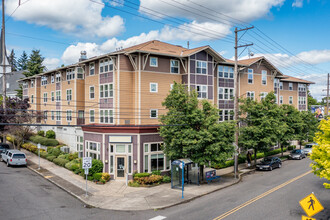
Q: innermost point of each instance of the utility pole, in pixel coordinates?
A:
(236, 81)
(327, 113)
(4, 82)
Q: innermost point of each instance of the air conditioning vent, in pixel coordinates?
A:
(65, 149)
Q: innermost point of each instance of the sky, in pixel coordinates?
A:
(292, 34)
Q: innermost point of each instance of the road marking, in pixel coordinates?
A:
(47, 177)
(224, 215)
(159, 217)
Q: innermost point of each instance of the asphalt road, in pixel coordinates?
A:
(26, 195)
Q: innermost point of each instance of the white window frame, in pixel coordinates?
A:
(80, 72)
(226, 115)
(301, 87)
(92, 69)
(52, 115)
(91, 115)
(108, 92)
(290, 100)
(148, 153)
(70, 74)
(151, 113)
(25, 85)
(69, 94)
(281, 85)
(226, 72)
(58, 77)
(32, 83)
(223, 95)
(156, 87)
(69, 115)
(45, 115)
(200, 67)
(290, 86)
(52, 78)
(58, 115)
(106, 116)
(281, 99)
(90, 93)
(95, 150)
(31, 98)
(250, 73)
(172, 67)
(250, 96)
(58, 96)
(150, 62)
(53, 96)
(201, 92)
(45, 97)
(44, 80)
(263, 95)
(105, 65)
(263, 77)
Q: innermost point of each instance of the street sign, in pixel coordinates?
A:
(38, 146)
(307, 218)
(86, 171)
(311, 205)
(87, 163)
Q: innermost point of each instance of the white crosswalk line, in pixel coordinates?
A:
(159, 217)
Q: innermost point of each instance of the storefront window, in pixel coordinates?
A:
(120, 148)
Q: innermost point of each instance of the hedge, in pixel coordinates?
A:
(43, 154)
(41, 133)
(63, 156)
(43, 140)
(97, 167)
(50, 157)
(60, 162)
(97, 176)
(73, 165)
(50, 134)
(54, 151)
(141, 175)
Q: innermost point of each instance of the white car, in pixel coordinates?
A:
(308, 148)
(14, 157)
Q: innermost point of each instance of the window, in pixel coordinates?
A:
(45, 115)
(226, 93)
(264, 77)
(58, 96)
(45, 97)
(91, 92)
(201, 67)
(106, 116)
(281, 85)
(80, 146)
(25, 85)
(302, 100)
(153, 61)
(155, 158)
(226, 114)
(174, 66)
(69, 115)
(106, 65)
(290, 86)
(202, 91)
(301, 87)
(91, 116)
(58, 116)
(58, 77)
(281, 99)
(70, 74)
(31, 98)
(153, 87)
(80, 73)
(250, 95)
(44, 80)
(53, 115)
(226, 72)
(53, 96)
(91, 69)
(250, 76)
(93, 149)
(153, 113)
(263, 95)
(290, 100)
(106, 91)
(32, 83)
(69, 94)
(52, 78)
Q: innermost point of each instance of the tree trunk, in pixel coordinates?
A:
(281, 146)
(201, 174)
(300, 144)
(255, 157)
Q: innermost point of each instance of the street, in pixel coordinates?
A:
(26, 195)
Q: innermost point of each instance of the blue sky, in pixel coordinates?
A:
(61, 29)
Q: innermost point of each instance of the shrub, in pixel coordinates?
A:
(105, 177)
(10, 138)
(141, 175)
(97, 167)
(133, 183)
(50, 134)
(103, 181)
(156, 172)
(72, 165)
(50, 157)
(72, 156)
(60, 162)
(41, 133)
(63, 156)
(97, 176)
(149, 180)
(90, 178)
(76, 171)
(55, 151)
(49, 142)
(291, 147)
(43, 154)
(166, 179)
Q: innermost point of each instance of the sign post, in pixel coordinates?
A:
(87, 164)
(182, 168)
(39, 155)
(311, 205)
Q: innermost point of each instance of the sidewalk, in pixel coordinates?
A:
(115, 195)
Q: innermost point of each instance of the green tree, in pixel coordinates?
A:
(12, 61)
(320, 154)
(260, 125)
(308, 128)
(34, 64)
(191, 129)
(20, 92)
(310, 100)
(22, 61)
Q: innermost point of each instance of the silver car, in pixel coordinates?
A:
(14, 157)
(308, 148)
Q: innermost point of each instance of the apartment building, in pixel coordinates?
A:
(118, 96)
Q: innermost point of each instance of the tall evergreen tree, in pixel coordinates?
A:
(22, 61)
(34, 64)
(12, 60)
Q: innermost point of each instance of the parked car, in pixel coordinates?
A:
(14, 157)
(3, 148)
(308, 148)
(297, 154)
(269, 163)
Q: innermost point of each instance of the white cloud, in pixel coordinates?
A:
(51, 63)
(320, 84)
(74, 16)
(298, 3)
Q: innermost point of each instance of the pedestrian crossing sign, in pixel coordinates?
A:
(311, 205)
(307, 218)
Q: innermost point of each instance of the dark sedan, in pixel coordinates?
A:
(269, 163)
(3, 148)
(297, 154)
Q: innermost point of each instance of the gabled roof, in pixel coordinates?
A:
(287, 78)
(12, 79)
(251, 61)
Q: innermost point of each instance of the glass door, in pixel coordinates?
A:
(120, 173)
